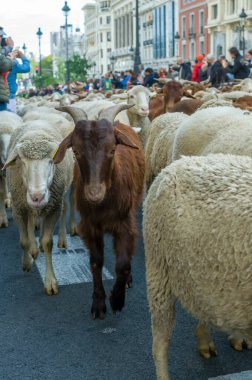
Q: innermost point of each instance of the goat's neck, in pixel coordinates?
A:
(136, 120)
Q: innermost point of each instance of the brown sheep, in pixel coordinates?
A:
(109, 176)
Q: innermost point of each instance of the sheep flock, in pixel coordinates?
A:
(185, 150)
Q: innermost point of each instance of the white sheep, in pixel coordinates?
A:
(197, 226)
(8, 123)
(214, 130)
(159, 147)
(38, 188)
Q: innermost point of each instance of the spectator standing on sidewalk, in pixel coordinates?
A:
(5, 66)
(17, 68)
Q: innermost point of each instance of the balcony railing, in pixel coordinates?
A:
(192, 33)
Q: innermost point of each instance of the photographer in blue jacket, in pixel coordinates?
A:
(17, 68)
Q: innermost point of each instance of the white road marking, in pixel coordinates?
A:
(247, 375)
(71, 265)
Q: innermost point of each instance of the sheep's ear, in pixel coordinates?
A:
(60, 152)
(11, 160)
(121, 138)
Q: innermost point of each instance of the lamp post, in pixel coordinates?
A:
(137, 59)
(39, 34)
(243, 17)
(66, 11)
(176, 39)
(112, 60)
(24, 47)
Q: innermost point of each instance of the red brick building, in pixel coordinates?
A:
(194, 38)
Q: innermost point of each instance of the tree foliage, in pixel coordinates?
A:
(78, 67)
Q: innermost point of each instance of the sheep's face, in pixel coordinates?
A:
(140, 97)
(4, 143)
(37, 177)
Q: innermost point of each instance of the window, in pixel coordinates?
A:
(201, 22)
(109, 50)
(192, 50)
(108, 36)
(100, 20)
(214, 11)
(183, 27)
(108, 19)
(202, 47)
(192, 23)
(101, 39)
(184, 51)
(101, 53)
(231, 7)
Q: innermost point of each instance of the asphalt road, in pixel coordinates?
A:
(54, 338)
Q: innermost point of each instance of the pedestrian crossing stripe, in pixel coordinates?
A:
(247, 375)
(71, 265)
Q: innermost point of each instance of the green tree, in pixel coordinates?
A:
(78, 67)
(46, 78)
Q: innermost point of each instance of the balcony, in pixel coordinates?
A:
(192, 33)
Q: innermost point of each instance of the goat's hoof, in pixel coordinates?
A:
(73, 230)
(117, 301)
(239, 343)
(34, 252)
(7, 203)
(27, 263)
(129, 282)
(207, 350)
(51, 287)
(62, 243)
(3, 221)
(98, 309)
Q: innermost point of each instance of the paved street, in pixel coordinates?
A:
(54, 338)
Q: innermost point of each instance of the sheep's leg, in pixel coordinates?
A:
(205, 344)
(62, 239)
(27, 259)
(3, 215)
(124, 243)
(94, 242)
(72, 222)
(33, 243)
(46, 241)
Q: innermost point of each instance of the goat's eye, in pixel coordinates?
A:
(76, 154)
(132, 96)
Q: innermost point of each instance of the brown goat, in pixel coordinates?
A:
(244, 102)
(108, 179)
(172, 93)
(187, 106)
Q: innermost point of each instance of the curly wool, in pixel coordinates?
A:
(197, 227)
(37, 150)
(216, 103)
(215, 130)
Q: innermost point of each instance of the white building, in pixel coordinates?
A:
(98, 36)
(224, 25)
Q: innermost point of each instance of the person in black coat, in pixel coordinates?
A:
(149, 77)
(239, 70)
(184, 69)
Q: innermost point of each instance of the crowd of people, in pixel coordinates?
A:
(204, 68)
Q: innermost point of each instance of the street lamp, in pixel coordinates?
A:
(176, 39)
(24, 47)
(66, 11)
(39, 34)
(112, 60)
(243, 17)
(137, 59)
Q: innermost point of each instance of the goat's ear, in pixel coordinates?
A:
(123, 139)
(60, 152)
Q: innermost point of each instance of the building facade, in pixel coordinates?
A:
(194, 37)
(224, 25)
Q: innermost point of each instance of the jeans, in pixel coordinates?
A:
(230, 76)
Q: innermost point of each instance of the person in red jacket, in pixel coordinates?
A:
(196, 68)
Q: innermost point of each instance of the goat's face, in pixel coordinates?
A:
(139, 96)
(173, 92)
(94, 145)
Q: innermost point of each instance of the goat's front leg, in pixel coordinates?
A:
(124, 243)
(46, 241)
(95, 244)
